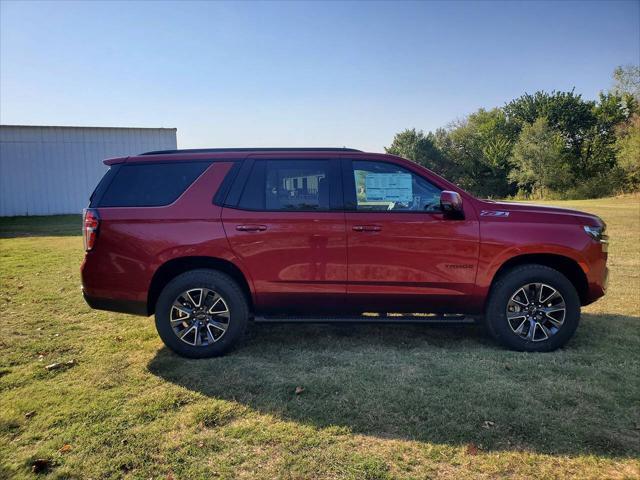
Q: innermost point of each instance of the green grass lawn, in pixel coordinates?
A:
(378, 402)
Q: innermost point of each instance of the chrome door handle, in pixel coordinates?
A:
(367, 228)
(251, 228)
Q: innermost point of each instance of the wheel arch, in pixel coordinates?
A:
(176, 266)
(563, 264)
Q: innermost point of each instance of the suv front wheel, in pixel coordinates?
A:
(533, 308)
(201, 313)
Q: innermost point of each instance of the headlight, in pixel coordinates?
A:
(597, 233)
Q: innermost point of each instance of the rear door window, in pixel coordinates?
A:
(150, 184)
(288, 185)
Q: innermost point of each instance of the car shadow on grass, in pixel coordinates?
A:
(433, 384)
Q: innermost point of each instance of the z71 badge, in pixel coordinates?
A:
(494, 213)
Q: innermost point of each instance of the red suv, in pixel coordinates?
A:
(211, 239)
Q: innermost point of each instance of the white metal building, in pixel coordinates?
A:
(53, 170)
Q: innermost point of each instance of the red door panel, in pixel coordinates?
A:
(410, 262)
(297, 260)
(404, 254)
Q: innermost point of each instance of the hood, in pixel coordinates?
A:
(490, 208)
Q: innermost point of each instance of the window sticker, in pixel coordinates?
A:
(389, 187)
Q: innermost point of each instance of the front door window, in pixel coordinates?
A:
(387, 187)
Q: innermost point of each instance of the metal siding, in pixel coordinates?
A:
(53, 170)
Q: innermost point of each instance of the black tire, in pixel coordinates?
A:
(507, 285)
(213, 280)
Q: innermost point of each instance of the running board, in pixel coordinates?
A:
(430, 319)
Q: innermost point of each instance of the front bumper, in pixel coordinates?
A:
(598, 282)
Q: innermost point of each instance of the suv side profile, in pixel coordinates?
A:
(209, 240)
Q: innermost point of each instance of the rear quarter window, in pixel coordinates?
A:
(149, 184)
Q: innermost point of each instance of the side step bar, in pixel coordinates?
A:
(430, 319)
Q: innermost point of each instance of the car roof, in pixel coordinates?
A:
(231, 154)
(252, 149)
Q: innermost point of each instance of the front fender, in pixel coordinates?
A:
(503, 241)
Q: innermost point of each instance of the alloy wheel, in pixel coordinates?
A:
(199, 316)
(536, 312)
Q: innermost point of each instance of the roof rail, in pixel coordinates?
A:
(268, 149)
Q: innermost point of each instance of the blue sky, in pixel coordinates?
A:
(299, 74)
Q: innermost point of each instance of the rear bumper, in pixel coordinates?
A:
(121, 306)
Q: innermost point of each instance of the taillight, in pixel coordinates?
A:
(90, 224)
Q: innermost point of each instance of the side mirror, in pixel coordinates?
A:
(451, 204)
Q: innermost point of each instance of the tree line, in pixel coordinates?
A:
(541, 145)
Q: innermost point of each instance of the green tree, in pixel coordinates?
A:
(421, 148)
(628, 152)
(567, 113)
(586, 127)
(540, 160)
(480, 146)
(626, 81)
(627, 132)
(591, 147)
(598, 154)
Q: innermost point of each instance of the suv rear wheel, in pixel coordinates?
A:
(201, 313)
(533, 308)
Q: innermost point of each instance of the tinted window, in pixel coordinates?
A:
(297, 185)
(388, 187)
(102, 186)
(253, 195)
(150, 185)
